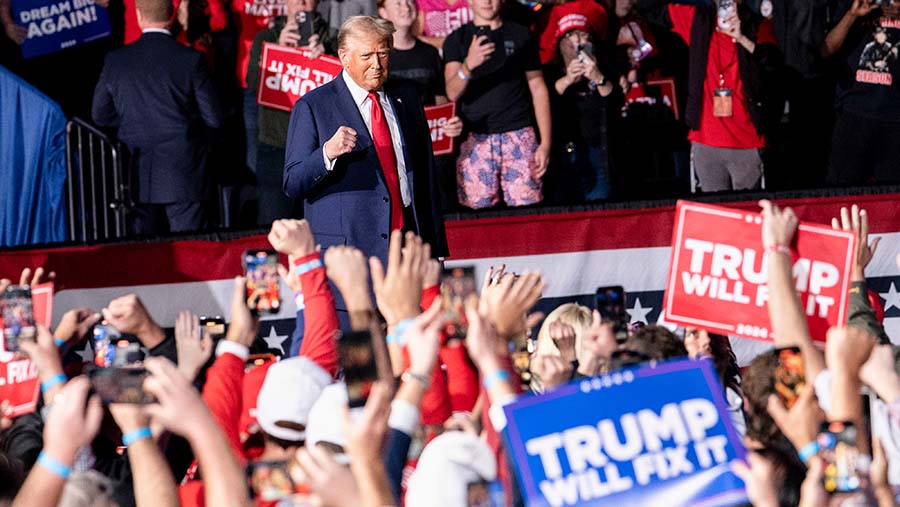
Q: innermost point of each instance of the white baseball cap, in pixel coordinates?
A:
(290, 389)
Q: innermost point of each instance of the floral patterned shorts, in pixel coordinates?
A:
(489, 163)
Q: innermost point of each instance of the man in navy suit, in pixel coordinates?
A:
(157, 95)
(360, 154)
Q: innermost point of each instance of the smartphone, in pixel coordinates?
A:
(726, 9)
(359, 362)
(105, 339)
(610, 302)
(263, 284)
(120, 385)
(127, 353)
(18, 317)
(483, 30)
(271, 481)
(304, 26)
(837, 444)
(212, 326)
(458, 287)
(790, 379)
(587, 48)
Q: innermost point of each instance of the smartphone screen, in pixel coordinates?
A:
(271, 481)
(105, 339)
(214, 327)
(359, 364)
(18, 317)
(457, 288)
(120, 385)
(255, 360)
(263, 284)
(610, 302)
(789, 375)
(837, 443)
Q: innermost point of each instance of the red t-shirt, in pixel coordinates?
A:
(253, 17)
(737, 131)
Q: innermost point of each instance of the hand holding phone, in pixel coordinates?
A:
(263, 282)
(837, 446)
(363, 362)
(121, 385)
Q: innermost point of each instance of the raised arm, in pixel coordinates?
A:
(836, 37)
(152, 477)
(785, 313)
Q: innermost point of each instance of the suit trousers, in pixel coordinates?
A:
(161, 218)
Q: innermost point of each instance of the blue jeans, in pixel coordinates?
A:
(251, 129)
(590, 163)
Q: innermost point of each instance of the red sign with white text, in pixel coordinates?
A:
(717, 273)
(42, 303)
(288, 74)
(18, 384)
(438, 116)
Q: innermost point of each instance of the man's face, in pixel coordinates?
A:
(486, 10)
(366, 60)
(402, 13)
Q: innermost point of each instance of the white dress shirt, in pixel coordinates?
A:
(361, 99)
(157, 30)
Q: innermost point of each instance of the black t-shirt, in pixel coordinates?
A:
(497, 98)
(870, 83)
(579, 114)
(421, 66)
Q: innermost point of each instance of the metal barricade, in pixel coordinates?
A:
(97, 184)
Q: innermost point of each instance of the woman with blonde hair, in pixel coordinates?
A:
(561, 335)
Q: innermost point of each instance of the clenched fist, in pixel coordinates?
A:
(343, 141)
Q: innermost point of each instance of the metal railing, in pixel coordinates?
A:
(97, 184)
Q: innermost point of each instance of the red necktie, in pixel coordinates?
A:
(384, 148)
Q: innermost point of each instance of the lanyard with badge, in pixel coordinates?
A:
(722, 95)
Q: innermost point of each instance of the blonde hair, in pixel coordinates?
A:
(358, 26)
(575, 315)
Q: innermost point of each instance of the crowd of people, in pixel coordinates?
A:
(430, 427)
(557, 103)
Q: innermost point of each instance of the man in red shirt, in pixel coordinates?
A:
(730, 47)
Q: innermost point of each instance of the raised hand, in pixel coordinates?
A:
(346, 267)
(563, 336)
(75, 325)
(507, 302)
(193, 347)
(243, 326)
(128, 315)
(343, 141)
(292, 237)
(856, 220)
(552, 371)
(399, 291)
(779, 226)
(73, 421)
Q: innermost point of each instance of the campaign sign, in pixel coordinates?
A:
(42, 303)
(636, 437)
(438, 116)
(18, 383)
(53, 25)
(288, 74)
(718, 271)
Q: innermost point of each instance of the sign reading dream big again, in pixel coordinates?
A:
(651, 435)
(54, 25)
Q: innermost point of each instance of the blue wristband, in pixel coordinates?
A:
(52, 382)
(307, 266)
(392, 338)
(495, 378)
(808, 451)
(54, 465)
(403, 325)
(135, 435)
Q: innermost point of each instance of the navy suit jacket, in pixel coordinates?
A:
(350, 205)
(156, 93)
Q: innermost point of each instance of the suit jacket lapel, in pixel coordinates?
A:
(349, 111)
